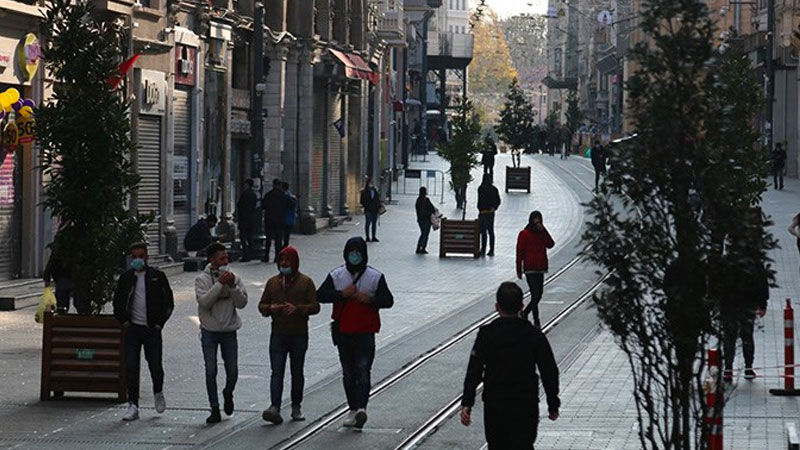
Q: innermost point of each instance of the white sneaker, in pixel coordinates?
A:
(161, 403)
(350, 420)
(132, 413)
(361, 418)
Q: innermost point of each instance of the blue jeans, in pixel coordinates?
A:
(356, 353)
(280, 346)
(371, 221)
(425, 231)
(226, 341)
(487, 227)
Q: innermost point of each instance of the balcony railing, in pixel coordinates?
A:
(391, 24)
(453, 45)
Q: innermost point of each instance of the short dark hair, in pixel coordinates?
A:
(211, 219)
(285, 185)
(509, 298)
(277, 182)
(213, 249)
(138, 246)
(249, 182)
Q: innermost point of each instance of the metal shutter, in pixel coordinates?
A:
(182, 108)
(335, 154)
(10, 220)
(318, 143)
(149, 167)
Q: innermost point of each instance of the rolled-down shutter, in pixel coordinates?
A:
(149, 166)
(9, 217)
(182, 108)
(317, 152)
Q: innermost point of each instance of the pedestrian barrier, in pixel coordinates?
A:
(432, 180)
(788, 353)
(715, 401)
(518, 178)
(459, 237)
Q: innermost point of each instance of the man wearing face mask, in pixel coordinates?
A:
(143, 302)
(219, 294)
(289, 298)
(357, 292)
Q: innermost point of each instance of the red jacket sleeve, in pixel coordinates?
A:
(520, 251)
(549, 242)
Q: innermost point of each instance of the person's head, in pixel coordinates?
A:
(487, 179)
(211, 221)
(423, 191)
(217, 255)
(249, 183)
(288, 262)
(277, 183)
(597, 143)
(535, 218)
(489, 139)
(779, 146)
(138, 252)
(355, 255)
(367, 182)
(509, 299)
(285, 186)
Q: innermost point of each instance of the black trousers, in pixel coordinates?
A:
(246, 239)
(536, 286)
(510, 425)
(777, 177)
(739, 329)
(136, 337)
(287, 233)
(273, 233)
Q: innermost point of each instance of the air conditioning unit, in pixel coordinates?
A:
(185, 66)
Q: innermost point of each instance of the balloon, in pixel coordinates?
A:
(13, 94)
(2, 114)
(26, 111)
(5, 101)
(17, 105)
(29, 102)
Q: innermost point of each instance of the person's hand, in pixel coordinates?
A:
(349, 291)
(289, 309)
(126, 324)
(519, 275)
(761, 312)
(46, 283)
(362, 297)
(227, 278)
(553, 415)
(466, 415)
(158, 327)
(276, 308)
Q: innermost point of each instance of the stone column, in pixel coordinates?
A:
(341, 202)
(305, 132)
(355, 131)
(357, 24)
(323, 19)
(275, 15)
(340, 22)
(225, 226)
(274, 101)
(289, 156)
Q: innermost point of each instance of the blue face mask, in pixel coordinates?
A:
(137, 264)
(355, 258)
(286, 271)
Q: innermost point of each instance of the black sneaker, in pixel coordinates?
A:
(749, 374)
(374, 239)
(368, 239)
(228, 402)
(215, 417)
(727, 376)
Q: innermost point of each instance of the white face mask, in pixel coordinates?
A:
(223, 269)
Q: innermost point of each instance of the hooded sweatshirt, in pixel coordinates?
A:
(532, 245)
(297, 289)
(217, 303)
(353, 316)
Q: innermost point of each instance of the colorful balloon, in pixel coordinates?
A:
(26, 111)
(13, 94)
(5, 101)
(2, 114)
(29, 102)
(17, 105)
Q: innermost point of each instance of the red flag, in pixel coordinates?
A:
(124, 68)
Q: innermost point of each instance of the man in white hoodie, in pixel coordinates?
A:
(219, 294)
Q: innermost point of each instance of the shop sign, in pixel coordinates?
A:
(10, 137)
(5, 59)
(30, 53)
(180, 168)
(153, 92)
(26, 127)
(185, 71)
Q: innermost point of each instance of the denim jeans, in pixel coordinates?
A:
(371, 221)
(136, 337)
(487, 227)
(356, 353)
(226, 341)
(294, 346)
(425, 231)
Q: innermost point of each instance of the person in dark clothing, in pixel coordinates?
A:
(371, 202)
(143, 303)
(291, 214)
(505, 357)
(57, 271)
(274, 206)
(532, 244)
(489, 152)
(357, 292)
(598, 155)
(778, 165)
(246, 210)
(199, 235)
(425, 210)
(488, 202)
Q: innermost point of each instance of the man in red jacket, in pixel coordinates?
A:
(532, 244)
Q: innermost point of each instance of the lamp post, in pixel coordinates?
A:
(257, 119)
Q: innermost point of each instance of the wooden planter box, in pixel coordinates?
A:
(460, 237)
(518, 178)
(83, 354)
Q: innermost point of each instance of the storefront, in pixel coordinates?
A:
(184, 109)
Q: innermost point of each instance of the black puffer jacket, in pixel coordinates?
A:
(159, 297)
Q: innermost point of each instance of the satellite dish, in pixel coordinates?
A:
(605, 18)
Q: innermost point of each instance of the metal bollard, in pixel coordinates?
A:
(788, 353)
(714, 401)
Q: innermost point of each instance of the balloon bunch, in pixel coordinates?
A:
(10, 100)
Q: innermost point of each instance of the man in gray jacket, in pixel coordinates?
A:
(219, 294)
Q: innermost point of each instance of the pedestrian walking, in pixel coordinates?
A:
(425, 211)
(289, 298)
(532, 244)
(219, 293)
(371, 202)
(778, 165)
(274, 206)
(199, 235)
(488, 202)
(143, 303)
(246, 212)
(357, 292)
(57, 271)
(291, 214)
(489, 152)
(505, 358)
(598, 162)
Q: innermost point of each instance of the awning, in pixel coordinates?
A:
(351, 71)
(364, 68)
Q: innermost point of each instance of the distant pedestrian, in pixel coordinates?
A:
(199, 235)
(506, 356)
(425, 210)
(489, 152)
(219, 294)
(289, 298)
(274, 206)
(357, 292)
(371, 202)
(532, 244)
(59, 272)
(291, 214)
(598, 162)
(246, 212)
(143, 303)
(778, 165)
(488, 202)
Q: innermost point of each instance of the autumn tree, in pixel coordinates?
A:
(491, 69)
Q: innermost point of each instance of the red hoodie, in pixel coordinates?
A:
(532, 250)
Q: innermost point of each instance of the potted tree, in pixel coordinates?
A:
(517, 129)
(84, 136)
(461, 236)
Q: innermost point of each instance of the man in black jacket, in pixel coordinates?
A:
(505, 357)
(199, 235)
(371, 202)
(274, 205)
(598, 154)
(246, 212)
(143, 303)
(488, 202)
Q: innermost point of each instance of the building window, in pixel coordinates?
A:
(451, 4)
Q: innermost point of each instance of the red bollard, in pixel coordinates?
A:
(788, 353)
(714, 400)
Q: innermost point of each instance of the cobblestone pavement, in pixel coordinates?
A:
(426, 289)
